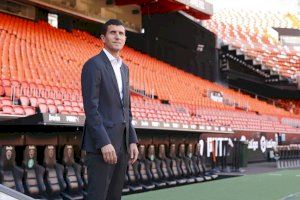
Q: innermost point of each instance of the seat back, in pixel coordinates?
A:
(165, 168)
(8, 156)
(198, 159)
(142, 164)
(154, 169)
(173, 159)
(181, 160)
(71, 173)
(191, 162)
(51, 176)
(132, 172)
(30, 179)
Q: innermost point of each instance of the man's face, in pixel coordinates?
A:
(31, 153)
(69, 152)
(8, 154)
(114, 39)
(51, 153)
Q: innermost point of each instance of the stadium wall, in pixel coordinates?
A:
(174, 38)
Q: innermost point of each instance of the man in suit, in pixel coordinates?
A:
(109, 137)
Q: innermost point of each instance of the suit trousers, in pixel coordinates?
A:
(105, 181)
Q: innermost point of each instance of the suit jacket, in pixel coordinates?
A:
(108, 118)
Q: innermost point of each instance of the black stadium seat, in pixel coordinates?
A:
(164, 164)
(72, 176)
(200, 163)
(144, 170)
(133, 177)
(185, 169)
(10, 174)
(174, 165)
(33, 174)
(192, 165)
(154, 168)
(54, 180)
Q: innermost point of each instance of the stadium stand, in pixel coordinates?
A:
(41, 73)
(251, 32)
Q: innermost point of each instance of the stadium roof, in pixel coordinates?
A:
(199, 8)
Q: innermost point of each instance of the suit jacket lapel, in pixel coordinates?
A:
(109, 67)
(124, 78)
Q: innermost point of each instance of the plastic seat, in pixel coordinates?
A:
(54, 180)
(33, 174)
(72, 175)
(133, 177)
(177, 172)
(154, 168)
(144, 170)
(10, 174)
(164, 164)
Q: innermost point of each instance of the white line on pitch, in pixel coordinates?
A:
(275, 174)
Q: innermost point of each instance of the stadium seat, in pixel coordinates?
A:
(164, 164)
(6, 101)
(144, 169)
(10, 174)
(185, 169)
(192, 165)
(29, 110)
(133, 177)
(154, 168)
(7, 109)
(24, 101)
(200, 163)
(187, 159)
(33, 174)
(43, 108)
(54, 180)
(74, 182)
(33, 101)
(18, 110)
(177, 172)
(52, 109)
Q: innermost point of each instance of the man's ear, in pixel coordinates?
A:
(102, 37)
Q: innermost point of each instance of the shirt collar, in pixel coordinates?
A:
(111, 58)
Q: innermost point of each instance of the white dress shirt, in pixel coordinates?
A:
(116, 63)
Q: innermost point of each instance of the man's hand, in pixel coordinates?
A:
(134, 152)
(109, 154)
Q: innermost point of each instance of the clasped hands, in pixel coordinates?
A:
(110, 156)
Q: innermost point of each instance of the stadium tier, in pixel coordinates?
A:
(41, 67)
(252, 32)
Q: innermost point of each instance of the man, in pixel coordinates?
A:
(108, 138)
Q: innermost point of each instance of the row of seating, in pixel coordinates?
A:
(157, 170)
(287, 156)
(153, 110)
(252, 33)
(68, 180)
(50, 181)
(30, 59)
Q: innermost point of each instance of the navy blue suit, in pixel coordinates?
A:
(108, 121)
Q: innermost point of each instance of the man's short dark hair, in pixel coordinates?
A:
(111, 22)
